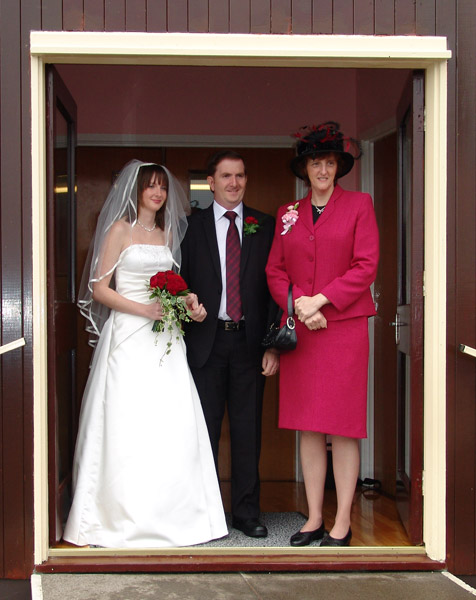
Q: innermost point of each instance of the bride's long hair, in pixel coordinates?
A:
(122, 203)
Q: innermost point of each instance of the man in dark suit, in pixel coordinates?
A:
(224, 256)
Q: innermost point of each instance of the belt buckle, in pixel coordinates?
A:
(231, 326)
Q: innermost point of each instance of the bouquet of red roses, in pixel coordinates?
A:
(170, 288)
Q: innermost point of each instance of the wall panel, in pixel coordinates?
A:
(281, 16)
(30, 20)
(260, 16)
(156, 16)
(114, 15)
(218, 16)
(177, 18)
(240, 16)
(364, 23)
(198, 16)
(93, 15)
(11, 310)
(321, 16)
(73, 15)
(384, 17)
(301, 16)
(445, 24)
(463, 406)
(136, 14)
(425, 17)
(405, 17)
(52, 15)
(16, 436)
(343, 17)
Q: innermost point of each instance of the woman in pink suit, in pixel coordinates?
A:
(327, 248)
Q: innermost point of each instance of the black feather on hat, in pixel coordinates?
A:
(324, 139)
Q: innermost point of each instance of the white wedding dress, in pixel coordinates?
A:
(143, 475)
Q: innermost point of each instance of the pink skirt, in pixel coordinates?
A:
(323, 383)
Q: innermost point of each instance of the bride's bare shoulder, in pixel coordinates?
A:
(118, 236)
(120, 228)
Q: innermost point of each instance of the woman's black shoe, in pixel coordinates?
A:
(304, 538)
(330, 541)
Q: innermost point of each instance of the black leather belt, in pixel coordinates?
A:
(231, 325)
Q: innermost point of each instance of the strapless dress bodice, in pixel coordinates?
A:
(136, 266)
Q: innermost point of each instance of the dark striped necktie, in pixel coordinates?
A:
(233, 252)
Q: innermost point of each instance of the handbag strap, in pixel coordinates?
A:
(290, 300)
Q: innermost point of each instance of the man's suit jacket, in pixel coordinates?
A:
(201, 270)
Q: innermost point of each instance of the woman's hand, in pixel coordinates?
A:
(197, 311)
(317, 321)
(153, 311)
(270, 362)
(307, 306)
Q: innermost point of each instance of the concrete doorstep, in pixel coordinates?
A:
(252, 586)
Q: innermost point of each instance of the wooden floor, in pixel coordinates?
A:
(375, 521)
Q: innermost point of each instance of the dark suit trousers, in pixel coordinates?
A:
(230, 378)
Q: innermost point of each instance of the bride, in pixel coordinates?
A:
(143, 473)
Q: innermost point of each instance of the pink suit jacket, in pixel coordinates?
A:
(338, 256)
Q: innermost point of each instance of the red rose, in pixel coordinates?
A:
(158, 280)
(251, 221)
(175, 283)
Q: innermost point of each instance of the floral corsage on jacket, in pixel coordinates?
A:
(289, 218)
(250, 226)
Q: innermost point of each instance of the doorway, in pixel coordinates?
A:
(281, 491)
(270, 183)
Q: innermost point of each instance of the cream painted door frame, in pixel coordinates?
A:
(407, 52)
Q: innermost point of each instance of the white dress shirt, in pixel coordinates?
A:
(221, 226)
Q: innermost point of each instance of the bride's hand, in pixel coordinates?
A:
(153, 311)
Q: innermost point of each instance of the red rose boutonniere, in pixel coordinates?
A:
(250, 225)
(170, 290)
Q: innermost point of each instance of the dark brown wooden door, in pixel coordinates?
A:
(61, 258)
(385, 293)
(408, 321)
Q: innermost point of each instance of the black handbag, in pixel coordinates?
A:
(282, 338)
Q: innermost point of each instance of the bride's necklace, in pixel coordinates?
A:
(149, 229)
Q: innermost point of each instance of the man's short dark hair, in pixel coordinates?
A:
(216, 159)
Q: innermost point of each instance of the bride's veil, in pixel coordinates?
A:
(121, 203)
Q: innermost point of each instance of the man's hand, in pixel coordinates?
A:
(270, 362)
(197, 311)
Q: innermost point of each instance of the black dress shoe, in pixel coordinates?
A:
(250, 527)
(304, 538)
(330, 541)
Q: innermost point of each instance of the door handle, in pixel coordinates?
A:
(12, 345)
(397, 324)
(467, 350)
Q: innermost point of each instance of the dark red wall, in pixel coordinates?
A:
(452, 18)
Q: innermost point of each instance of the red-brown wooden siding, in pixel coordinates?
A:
(452, 18)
